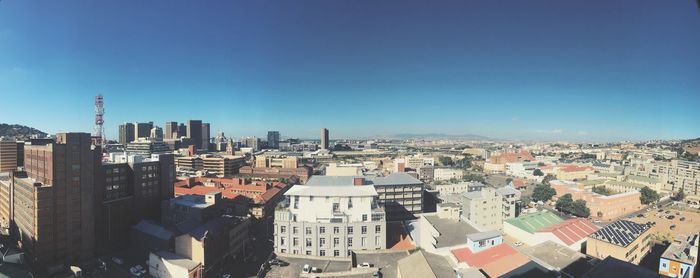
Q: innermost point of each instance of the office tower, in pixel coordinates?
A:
(171, 130)
(273, 139)
(156, 133)
(53, 201)
(143, 130)
(181, 131)
(206, 136)
(251, 142)
(127, 133)
(8, 155)
(194, 132)
(324, 138)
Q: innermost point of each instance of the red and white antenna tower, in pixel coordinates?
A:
(99, 120)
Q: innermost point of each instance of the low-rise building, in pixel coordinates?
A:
(681, 257)
(164, 264)
(335, 169)
(214, 243)
(302, 173)
(445, 174)
(458, 188)
(539, 227)
(573, 172)
(624, 240)
(601, 207)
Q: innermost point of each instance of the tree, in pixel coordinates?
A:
(679, 196)
(543, 192)
(648, 195)
(474, 177)
(602, 190)
(508, 180)
(564, 203)
(538, 173)
(540, 164)
(580, 209)
(446, 160)
(548, 178)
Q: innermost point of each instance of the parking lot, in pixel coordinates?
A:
(295, 265)
(690, 224)
(386, 262)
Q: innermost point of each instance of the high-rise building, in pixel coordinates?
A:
(156, 133)
(181, 130)
(206, 136)
(127, 133)
(143, 130)
(324, 139)
(194, 132)
(171, 130)
(8, 155)
(53, 201)
(251, 142)
(273, 139)
(129, 188)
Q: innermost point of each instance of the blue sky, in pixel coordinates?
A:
(549, 70)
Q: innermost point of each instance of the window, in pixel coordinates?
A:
(308, 230)
(349, 242)
(364, 230)
(349, 230)
(295, 241)
(336, 207)
(336, 253)
(336, 230)
(283, 250)
(364, 217)
(282, 241)
(350, 202)
(321, 242)
(308, 242)
(296, 202)
(364, 241)
(336, 242)
(311, 198)
(322, 230)
(295, 230)
(308, 252)
(322, 253)
(378, 228)
(376, 241)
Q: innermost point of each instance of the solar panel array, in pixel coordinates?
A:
(621, 232)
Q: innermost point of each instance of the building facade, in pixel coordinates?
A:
(484, 209)
(127, 133)
(624, 240)
(8, 155)
(273, 139)
(324, 139)
(329, 221)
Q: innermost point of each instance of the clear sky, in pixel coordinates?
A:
(577, 70)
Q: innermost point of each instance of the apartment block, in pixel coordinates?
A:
(681, 257)
(602, 207)
(488, 208)
(8, 155)
(329, 221)
(263, 161)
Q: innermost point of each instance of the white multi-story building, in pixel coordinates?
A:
(521, 169)
(444, 174)
(335, 169)
(329, 220)
(413, 162)
(488, 208)
(674, 176)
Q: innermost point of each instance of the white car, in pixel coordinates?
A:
(518, 244)
(364, 265)
(135, 271)
(118, 261)
(306, 269)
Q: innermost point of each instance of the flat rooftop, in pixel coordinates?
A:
(553, 254)
(452, 232)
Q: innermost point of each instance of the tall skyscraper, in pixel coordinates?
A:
(273, 139)
(171, 130)
(53, 204)
(206, 136)
(157, 133)
(181, 131)
(194, 132)
(251, 142)
(143, 130)
(8, 155)
(127, 133)
(324, 139)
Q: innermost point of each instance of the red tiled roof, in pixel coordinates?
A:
(511, 157)
(518, 183)
(571, 230)
(483, 257)
(505, 264)
(204, 190)
(574, 168)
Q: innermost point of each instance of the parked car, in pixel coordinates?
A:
(673, 227)
(315, 270)
(135, 271)
(306, 269)
(670, 217)
(117, 260)
(682, 218)
(364, 265)
(518, 244)
(377, 274)
(640, 215)
(226, 275)
(278, 262)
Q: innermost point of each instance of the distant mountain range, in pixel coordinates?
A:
(20, 131)
(405, 136)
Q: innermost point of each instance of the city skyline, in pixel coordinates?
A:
(489, 69)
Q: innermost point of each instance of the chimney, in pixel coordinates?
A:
(358, 181)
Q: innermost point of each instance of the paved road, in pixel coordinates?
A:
(386, 262)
